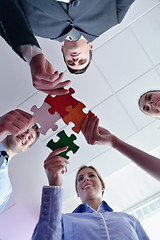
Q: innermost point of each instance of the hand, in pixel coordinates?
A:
(44, 77)
(95, 134)
(15, 122)
(55, 166)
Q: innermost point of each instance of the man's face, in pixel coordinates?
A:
(21, 142)
(76, 53)
(150, 104)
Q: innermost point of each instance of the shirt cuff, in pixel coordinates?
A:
(65, 1)
(51, 186)
(29, 51)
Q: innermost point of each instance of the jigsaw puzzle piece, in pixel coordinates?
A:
(59, 103)
(44, 119)
(63, 141)
(76, 115)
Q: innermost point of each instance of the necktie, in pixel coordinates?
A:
(74, 35)
(3, 156)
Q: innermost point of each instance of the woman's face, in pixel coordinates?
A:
(89, 186)
(150, 104)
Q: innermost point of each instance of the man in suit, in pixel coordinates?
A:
(20, 134)
(75, 23)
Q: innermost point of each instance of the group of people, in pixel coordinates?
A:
(20, 22)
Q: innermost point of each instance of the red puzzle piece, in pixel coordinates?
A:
(59, 103)
(76, 115)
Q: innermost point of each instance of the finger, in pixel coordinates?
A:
(11, 129)
(89, 128)
(24, 114)
(93, 136)
(52, 165)
(42, 85)
(57, 151)
(63, 84)
(84, 124)
(57, 92)
(55, 168)
(50, 77)
(55, 160)
(56, 78)
(18, 121)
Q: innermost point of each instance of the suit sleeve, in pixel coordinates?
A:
(49, 224)
(122, 8)
(14, 27)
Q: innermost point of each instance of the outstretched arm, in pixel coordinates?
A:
(95, 134)
(14, 27)
(49, 224)
(16, 31)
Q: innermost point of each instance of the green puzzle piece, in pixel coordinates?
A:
(62, 142)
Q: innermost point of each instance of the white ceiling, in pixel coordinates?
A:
(126, 63)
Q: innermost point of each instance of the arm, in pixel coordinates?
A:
(14, 26)
(17, 32)
(15, 122)
(49, 224)
(98, 135)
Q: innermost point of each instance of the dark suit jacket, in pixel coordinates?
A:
(22, 20)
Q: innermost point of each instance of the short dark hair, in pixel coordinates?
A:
(36, 129)
(95, 170)
(74, 71)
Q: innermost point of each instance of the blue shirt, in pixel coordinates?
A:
(84, 223)
(5, 184)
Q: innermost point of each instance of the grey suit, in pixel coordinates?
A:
(51, 19)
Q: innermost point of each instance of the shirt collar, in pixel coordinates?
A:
(2, 148)
(103, 207)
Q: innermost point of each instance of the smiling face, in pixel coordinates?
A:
(88, 185)
(149, 103)
(21, 142)
(76, 53)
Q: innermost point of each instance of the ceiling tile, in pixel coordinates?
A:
(122, 60)
(146, 29)
(158, 69)
(109, 162)
(52, 51)
(146, 139)
(15, 77)
(130, 185)
(113, 117)
(90, 87)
